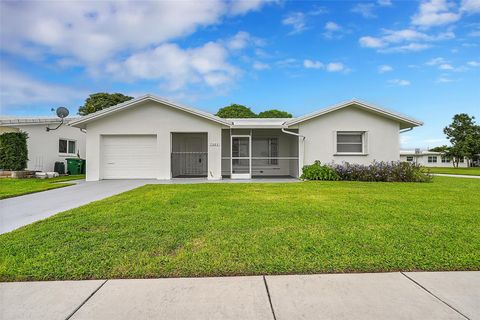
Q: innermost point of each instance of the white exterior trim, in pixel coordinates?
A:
(389, 114)
(102, 113)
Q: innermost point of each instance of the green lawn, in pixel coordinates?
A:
(17, 187)
(451, 170)
(247, 229)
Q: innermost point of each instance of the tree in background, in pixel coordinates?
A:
(100, 101)
(13, 151)
(443, 148)
(454, 154)
(236, 111)
(241, 111)
(464, 135)
(274, 113)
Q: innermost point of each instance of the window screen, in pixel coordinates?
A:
(264, 147)
(62, 146)
(349, 142)
(71, 147)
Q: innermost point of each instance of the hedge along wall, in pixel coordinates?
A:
(13, 151)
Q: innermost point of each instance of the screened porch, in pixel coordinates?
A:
(250, 153)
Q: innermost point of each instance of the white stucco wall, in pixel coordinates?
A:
(382, 136)
(155, 119)
(423, 160)
(43, 145)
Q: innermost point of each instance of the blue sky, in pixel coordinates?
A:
(421, 59)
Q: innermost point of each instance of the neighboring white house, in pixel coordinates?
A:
(47, 147)
(429, 158)
(149, 137)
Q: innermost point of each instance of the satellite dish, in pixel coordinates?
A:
(62, 112)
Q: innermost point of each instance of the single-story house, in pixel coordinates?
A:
(47, 147)
(429, 158)
(152, 138)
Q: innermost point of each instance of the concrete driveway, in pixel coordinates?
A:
(20, 211)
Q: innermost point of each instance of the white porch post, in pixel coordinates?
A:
(215, 154)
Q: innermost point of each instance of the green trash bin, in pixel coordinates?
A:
(83, 164)
(75, 165)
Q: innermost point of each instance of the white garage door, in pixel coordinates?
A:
(129, 157)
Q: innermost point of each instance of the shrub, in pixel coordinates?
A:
(317, 171)
(13, 151)
(383, 172)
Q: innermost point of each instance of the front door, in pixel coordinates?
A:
(241, 166)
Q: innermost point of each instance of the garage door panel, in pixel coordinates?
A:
(129, 157)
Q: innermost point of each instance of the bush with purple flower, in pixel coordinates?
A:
(394, 171)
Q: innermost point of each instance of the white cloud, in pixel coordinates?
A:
(177, 67)
(435, 13)
(17, 89)
(384, 3)
(444, 79)
(335, 67)
(473, 63)
(260, 66)
(242, 7)
(243, 39)
(364, 9)
(318, 10)
(411, 47)
(446, 66)
(395, 36)
(239, 41)
(332, 26)
(330, 67)
(404, 40)
(287, 63)
(399, 82)
(332, 29)
(297, 21)
(310, 64)
(470, 6)
(92, 33)
(371, 42)
(384, 68)
(436, 61)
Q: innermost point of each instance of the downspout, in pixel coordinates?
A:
(293, 133)
(406, 130)
(300, 165)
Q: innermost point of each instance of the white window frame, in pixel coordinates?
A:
(411, 158)
(363, 143)
(434, 159)
(68, 141)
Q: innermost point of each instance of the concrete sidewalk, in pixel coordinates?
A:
(410, 295)
(455, 175)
